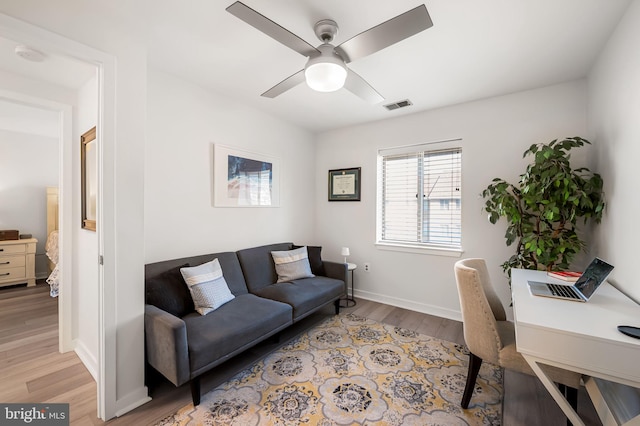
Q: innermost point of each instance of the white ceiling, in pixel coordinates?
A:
(19, 118)
(475, 49)
(57, 69)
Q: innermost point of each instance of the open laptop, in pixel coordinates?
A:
(582, 290)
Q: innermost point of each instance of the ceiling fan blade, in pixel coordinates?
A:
(359, 87)
(286, 84)
(270, 28)
(384, 35)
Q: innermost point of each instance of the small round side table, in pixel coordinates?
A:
(349, 301)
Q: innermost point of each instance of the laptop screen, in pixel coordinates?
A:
(595, 274)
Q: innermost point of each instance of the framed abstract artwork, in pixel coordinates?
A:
(244, 179)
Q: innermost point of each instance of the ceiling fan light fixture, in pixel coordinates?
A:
(325, 72)
(326, 69)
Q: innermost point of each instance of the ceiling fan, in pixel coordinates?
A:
(326, 70)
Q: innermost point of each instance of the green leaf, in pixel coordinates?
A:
(541, 210)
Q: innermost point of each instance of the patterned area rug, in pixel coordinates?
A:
(352, 370)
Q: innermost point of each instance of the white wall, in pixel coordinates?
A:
(614, 104)
(495, 132)
(184, 120)
(28, 164)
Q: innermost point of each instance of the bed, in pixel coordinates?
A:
(51, 247)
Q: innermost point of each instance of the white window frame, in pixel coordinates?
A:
(413, 247)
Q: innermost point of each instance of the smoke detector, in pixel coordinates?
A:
(29, 53)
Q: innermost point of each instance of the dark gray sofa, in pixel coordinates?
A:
(182, 344)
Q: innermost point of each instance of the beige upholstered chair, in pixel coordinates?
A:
(489, 336)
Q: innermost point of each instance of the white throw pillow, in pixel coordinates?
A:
(292, 264)
(207, 285)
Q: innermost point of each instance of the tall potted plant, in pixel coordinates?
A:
(543, 208)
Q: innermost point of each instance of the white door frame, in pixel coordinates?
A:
(23, 32)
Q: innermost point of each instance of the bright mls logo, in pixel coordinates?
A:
(34, 414)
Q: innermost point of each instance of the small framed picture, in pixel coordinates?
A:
(344, 184)
(244, 179)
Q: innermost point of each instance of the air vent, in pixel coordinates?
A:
(400, 104)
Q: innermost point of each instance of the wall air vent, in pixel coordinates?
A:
(400, 104)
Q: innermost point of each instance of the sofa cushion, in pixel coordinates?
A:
(228, 261)
(315, 259)
(257, 265)
(305, 295)
(207, 285)
(169, 292)
(292, 264)
(235, 326)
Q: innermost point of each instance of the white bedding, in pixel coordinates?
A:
(51, 249)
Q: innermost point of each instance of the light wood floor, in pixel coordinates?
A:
(32, 370)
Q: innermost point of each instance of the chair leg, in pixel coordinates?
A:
(474, 367)
(337, 305)
(572, 398)
(571, 394)
(195, 391)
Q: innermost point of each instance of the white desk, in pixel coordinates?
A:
(577, 336)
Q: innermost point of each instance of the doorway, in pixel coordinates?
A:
(66, 85)
(120, 219)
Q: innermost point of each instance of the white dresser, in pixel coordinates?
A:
(18, 262)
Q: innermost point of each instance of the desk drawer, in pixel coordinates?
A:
(12, 274)
(612, 360)
(7, 262)
(12, 249)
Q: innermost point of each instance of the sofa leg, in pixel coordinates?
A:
(195, 391)
(337, 305)
(276, 337)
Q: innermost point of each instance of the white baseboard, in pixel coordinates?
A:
(410, 305)
(87, 359)
(132, 401)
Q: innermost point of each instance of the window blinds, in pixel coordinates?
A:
(421, 197)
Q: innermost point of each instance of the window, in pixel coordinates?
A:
(419, 196)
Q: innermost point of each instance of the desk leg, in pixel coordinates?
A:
(554, 391)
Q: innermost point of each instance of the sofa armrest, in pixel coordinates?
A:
(166, 344)
(336, 270)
